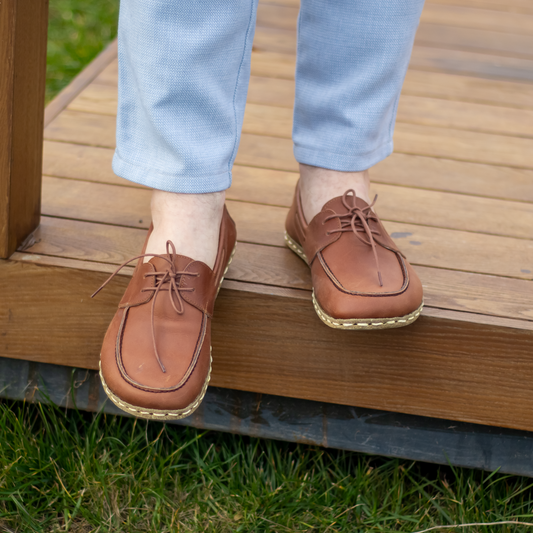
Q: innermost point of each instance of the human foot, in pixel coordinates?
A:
(190, 221)
(155, 361)
(360, 279)
(318, 185)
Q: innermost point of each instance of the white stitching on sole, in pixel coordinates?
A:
(339, 323)
(172, 414)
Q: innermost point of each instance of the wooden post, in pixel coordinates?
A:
(23, 33)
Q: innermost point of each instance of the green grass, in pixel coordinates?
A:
(78, 30)
(72, 471)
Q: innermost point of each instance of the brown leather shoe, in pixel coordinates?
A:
(156, 356)
(360, 279)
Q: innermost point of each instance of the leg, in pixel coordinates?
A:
(352, 60)
(183, 77)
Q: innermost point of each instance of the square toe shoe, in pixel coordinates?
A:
(360, 279)
(155, 361)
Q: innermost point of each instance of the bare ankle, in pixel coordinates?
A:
(319, 185)
(190, 221)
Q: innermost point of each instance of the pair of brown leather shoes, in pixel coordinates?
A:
(156, 356)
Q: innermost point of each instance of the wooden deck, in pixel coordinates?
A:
(457, 196)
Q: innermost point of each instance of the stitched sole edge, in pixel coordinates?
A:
(163, 414)
(157, 414)
(353, 323)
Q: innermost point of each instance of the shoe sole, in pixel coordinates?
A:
(166, 414)
(353, 323)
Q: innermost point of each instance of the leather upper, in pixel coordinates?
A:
(156, 352)
(357, 271)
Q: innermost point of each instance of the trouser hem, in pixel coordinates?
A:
(342, 162)
(198, 184)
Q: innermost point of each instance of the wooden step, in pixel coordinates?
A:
(457, 197)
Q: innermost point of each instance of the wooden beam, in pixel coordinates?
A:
(277, 417)
(23, 33)
(449, 364)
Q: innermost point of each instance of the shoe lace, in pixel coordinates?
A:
(357, 220)
(170, 276)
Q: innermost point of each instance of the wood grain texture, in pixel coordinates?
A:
(94, 164)
(23, 26)
(397, 370)
(265, 116)
(80, 82)
(260, 149)
(279, 91)
(456, 196)
(475, 40)
(272, 39)
(112, 204)
(388, 371)
(475, 18)
(471, 63)
(261, 267)
(423, 245)
(511, 6)
(285, 17)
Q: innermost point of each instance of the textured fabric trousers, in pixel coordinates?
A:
(184, 67)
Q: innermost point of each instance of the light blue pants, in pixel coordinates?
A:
(184, 67)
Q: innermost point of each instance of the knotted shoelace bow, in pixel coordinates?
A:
(172, 276)
(357, 220)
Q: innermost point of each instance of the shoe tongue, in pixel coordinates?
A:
(336, 205)
(180, 262)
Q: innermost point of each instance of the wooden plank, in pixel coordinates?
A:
(475, 18)
(277, 16)
(404, 371)
(276, 120)
(285, 17)
(82, 128)
(279, 91)
(23, 27)
(74, 264)
(280, 40)
(511, 6)
(66, 160)
(279, 65)
(274, 40)
(455, 176)
(99, 130)
(80, 82)
(260, 266)
(294, 420)
(471, 63)
(476, 40)
(94, 164)
(276, 187)
(463, 145)
(424, 245)
(276, 153)
(273, 65)
(111, 204)
(468, 89)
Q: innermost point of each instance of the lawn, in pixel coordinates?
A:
(77, 31)
(63, 470)
(70, 471)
